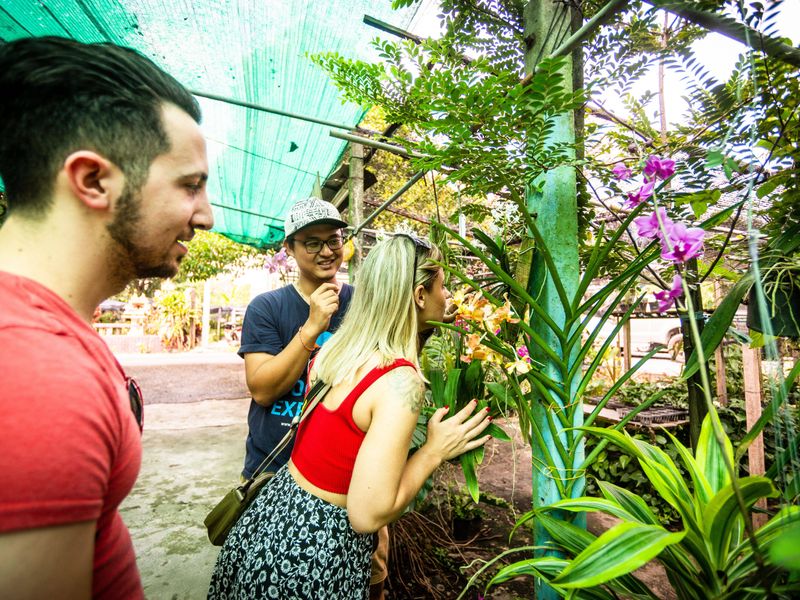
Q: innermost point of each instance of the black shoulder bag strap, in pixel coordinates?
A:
(317, 392)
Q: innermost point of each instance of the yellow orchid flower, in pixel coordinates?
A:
(520, 366)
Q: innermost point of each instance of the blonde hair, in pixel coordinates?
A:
(382, 316)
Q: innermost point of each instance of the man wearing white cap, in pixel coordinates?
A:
(284, 327)
(282, 330)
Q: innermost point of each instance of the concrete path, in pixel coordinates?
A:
(187, 376)
(193, 454)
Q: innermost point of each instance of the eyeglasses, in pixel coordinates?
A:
(418, 243)
(137, 401)
(314, 246)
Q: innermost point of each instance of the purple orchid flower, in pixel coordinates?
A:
(277, 261)
(658, 168)
(649, 226)
(640, 195)
(666, 298)
(685, 243)
(522, 352)
(621, 172)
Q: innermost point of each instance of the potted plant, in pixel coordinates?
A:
(716, 554)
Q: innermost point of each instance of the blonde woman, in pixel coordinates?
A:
(309, 535)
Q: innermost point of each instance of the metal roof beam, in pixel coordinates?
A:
(417, 176)
(357, 139)
(276, 111)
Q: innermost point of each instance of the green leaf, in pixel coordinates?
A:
(619, 551)
(473, 380)
(468, 464)
(718, 324)
(720, 217)
(722, 514)
(702, 490)
(632, 503)
(699, 201)
(543, 567)
(570, 537)
(590, 504)
(710, 458)
(742, 560)
(451, 390)
(436, 382)
(499, 391)
(576, 539)
(784, 550)
(497, 432)
(714, 159)
(769, 185)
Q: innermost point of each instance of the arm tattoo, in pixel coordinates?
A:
(408, 387)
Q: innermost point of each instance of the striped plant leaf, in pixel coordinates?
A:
(742, 561)
(632, 503)
(619, 551)
(576, 539)
(544, 567)
(590, 504)
(710, 457)
(721, 515)
(702, 490)
(468, 464)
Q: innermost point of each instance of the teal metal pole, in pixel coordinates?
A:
(555, 212)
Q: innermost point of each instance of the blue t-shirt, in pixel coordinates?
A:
(271, 321)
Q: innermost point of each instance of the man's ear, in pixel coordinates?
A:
(93, 179)
(288, 247)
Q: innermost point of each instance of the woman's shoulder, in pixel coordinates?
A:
(402, 382)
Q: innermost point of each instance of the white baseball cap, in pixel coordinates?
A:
(311, 211)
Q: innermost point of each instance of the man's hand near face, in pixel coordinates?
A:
(323, 304)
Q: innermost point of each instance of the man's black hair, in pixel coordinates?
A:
(58, 96)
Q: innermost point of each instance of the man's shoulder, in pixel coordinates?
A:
(346, 291)
(273, 297)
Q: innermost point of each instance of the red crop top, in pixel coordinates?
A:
(327, 442)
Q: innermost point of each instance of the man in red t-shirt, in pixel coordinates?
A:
(104, 169)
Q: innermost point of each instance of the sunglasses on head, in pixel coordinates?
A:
(419, 243)
(136, 400)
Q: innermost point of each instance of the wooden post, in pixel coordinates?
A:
(751, 360)
(719, 355)
(206, 330)
(356, 209)
(192, 321)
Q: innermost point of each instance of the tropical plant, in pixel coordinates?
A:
(211, 254)
(715, 555)
(453, 383)
(175, 317)
(583, 334)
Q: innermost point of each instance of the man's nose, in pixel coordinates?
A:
(203, 217)
(326, 251)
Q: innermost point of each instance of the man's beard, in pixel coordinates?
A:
(124, 230)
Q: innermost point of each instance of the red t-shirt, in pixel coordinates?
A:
(70, 448)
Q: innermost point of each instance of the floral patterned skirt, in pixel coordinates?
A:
(291, 545)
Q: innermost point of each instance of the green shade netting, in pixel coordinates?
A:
(251, 50)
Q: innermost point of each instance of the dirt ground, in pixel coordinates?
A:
(193, 451)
